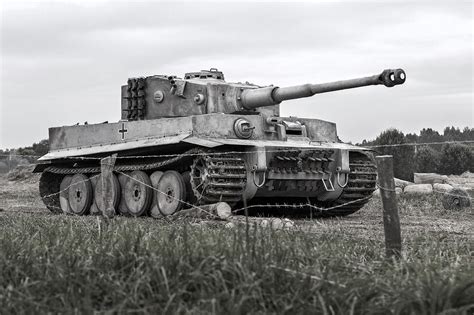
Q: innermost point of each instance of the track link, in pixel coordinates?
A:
(215, 179)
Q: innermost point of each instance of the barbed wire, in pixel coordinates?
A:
(416, 144)
(283, 149)
(189, 205)
(284, 205)
(446, 193)
(161, 192)
(192, 153)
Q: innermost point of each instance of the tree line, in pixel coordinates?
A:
(10, 158)
(416, 153)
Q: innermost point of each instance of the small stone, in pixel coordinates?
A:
(398, 190)
(277, 224)
(288, 224)
(264, 223)
(229, 225)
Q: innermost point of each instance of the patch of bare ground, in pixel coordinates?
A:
(418, 215)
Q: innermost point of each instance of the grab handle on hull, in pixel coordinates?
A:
(331, 186)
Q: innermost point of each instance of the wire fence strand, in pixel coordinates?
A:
(316, 144)
(236, 152)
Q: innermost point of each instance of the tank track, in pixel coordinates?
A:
(218, 178)
(49, 184)
(359, 189)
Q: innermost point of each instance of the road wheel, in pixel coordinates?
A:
(122, 207)
(171, 193)
(138, 193)
(155, 178)
(80, 194)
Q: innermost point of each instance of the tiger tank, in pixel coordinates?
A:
(199, 140)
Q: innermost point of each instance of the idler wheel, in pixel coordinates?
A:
(138, 193)
(64, 194)
(155, 178)
(98, 194)
(80, 194)
(171, 193)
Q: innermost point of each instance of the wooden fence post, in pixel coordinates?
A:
(106, 176)
(391, 221)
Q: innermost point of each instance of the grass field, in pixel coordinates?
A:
(65, 264)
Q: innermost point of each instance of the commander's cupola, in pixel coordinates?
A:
(213, 73)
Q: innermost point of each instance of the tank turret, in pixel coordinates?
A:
(206, 92)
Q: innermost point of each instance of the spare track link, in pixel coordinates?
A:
(124, 167)
(218, 178)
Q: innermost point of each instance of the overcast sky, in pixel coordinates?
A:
(64, 62)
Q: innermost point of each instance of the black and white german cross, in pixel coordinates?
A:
(123, 131)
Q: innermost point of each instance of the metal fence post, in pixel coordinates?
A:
(391, 220)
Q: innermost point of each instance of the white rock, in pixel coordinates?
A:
(288, 224)
(376, 192)
(402, 183)
(264, 223)
(398, 190)
(277, 224)
(429, 178)
(229, 225)
(418, 189)
(442, 187)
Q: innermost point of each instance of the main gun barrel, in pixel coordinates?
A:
(267, 96)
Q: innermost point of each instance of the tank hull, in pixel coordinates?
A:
(300, 163)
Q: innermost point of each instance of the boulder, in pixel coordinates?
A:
(418, 189)
(430, 178)
(402, 183)
(442, 187)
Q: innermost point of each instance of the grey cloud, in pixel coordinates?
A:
(63, 62)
